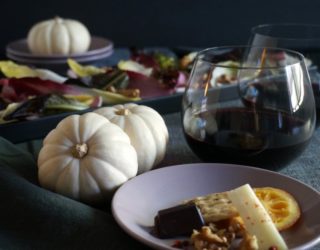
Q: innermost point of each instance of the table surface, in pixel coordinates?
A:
(305, 168)
(34, 218)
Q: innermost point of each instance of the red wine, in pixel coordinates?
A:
(269, 139)
(316, 93)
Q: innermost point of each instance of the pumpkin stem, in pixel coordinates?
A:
(123, 112)
(58, 19)
(80, 150)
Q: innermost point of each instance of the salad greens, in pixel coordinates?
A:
(28, 93)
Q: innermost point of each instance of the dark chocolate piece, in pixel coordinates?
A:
(178, 221)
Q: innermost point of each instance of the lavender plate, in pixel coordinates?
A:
(19, 49)
(135, 204)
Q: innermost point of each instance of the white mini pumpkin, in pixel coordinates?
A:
(86, 158)
(58, 36)
(145, 127)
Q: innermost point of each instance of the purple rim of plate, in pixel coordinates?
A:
(126, 194)
(98, 45)
(60, 61)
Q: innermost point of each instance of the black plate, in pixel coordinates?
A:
(23, 131)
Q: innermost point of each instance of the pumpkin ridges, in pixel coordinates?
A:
(54, 171)
(103, 178)
(146, 112)
(160, 132)
(68, 181)
(138, 132)
(32, 39)
(113, 152)
(160, 136)
(67, 124)
(70, 37)
(117, 135)
(99, 140)
(114, 158)
(75, 38)
(88, 186)
(60, 39)
(54, 138)
(96, 122)
(37, 41)
(153, 125)
(86, 166)
(119, 120)
(67, 36)
(47, 35)
(110, 113)
(50, 151)
(130, 106)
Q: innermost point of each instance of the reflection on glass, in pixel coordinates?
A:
(248, 105)
(304, 38)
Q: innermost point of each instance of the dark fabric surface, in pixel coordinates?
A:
(34, 218)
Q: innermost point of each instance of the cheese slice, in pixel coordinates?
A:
(256, 219)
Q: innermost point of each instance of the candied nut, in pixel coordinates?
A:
(249, 242)
(206, 239)
(112, 89)
(125, 92)
(129, 92)
(237, 226)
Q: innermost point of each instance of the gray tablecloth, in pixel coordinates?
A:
(305, 168)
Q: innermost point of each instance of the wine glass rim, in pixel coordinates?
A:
(258, 29)
(299, 60)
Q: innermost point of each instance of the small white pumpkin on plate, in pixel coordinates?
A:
(58, 36)
(145, 127)
(86, 158)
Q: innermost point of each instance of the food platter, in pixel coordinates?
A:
(37, 129)
(165, 187)
(30, 129)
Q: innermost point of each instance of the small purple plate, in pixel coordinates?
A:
(36, 61)
(135, 203)
(20, 49)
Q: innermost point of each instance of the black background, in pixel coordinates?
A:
(202, 23)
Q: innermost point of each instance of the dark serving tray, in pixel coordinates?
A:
(24, 131)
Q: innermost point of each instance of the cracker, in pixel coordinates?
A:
(214, 207)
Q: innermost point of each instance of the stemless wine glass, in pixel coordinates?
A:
(304, 38)
(248, 105)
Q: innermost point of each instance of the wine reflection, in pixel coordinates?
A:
(263, 117)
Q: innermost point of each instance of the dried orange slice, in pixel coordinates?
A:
(282, 206)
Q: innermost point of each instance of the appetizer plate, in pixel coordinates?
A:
(136, 203)
(20, 49)
(46, 61)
